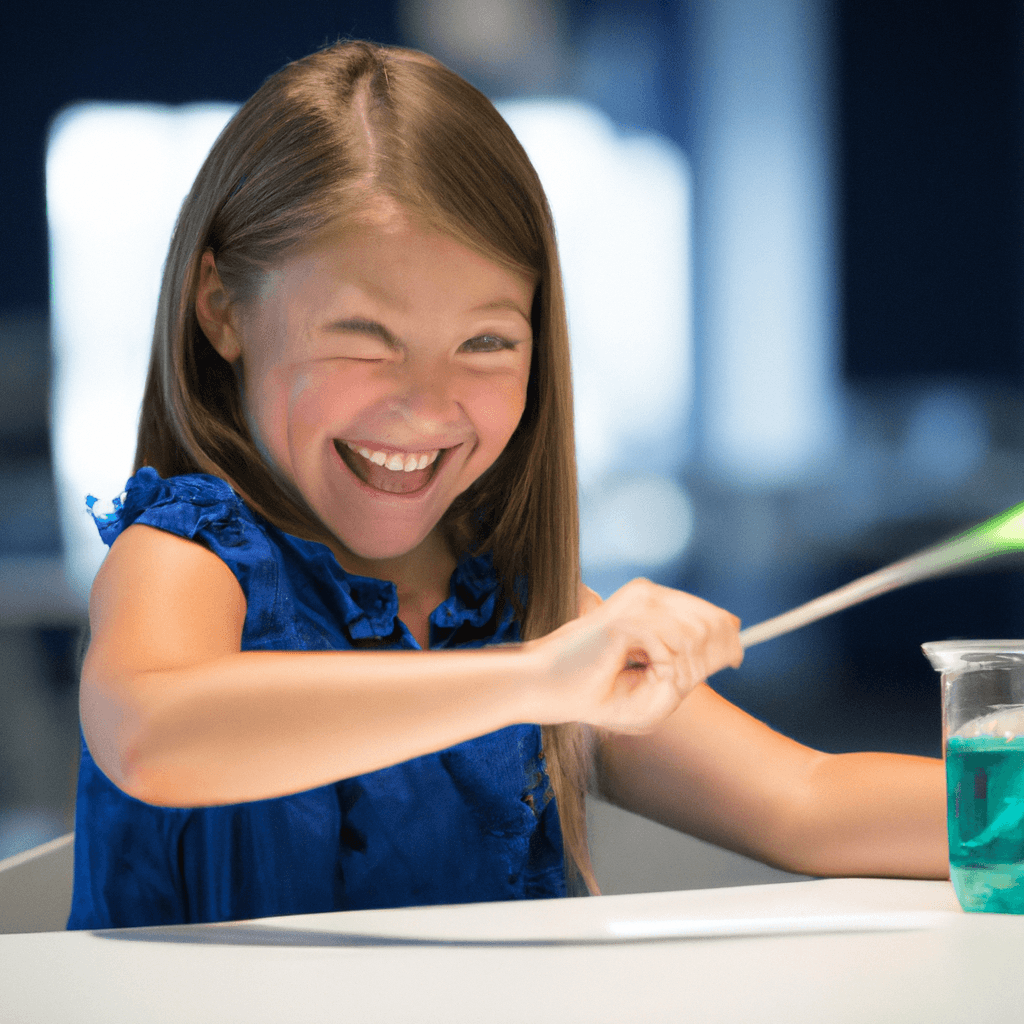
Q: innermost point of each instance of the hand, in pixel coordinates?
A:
(626, 665)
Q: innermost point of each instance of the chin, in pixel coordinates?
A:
(379, 549)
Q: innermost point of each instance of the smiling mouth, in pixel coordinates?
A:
(394, 472)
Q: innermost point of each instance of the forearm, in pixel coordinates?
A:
(873, 814)
(713, 772)
(716, 773)
(256, 725)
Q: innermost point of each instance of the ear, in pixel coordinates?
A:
(213, 311)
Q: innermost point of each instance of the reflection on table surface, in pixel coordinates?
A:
(836, 950)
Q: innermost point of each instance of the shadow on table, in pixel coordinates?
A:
(262, 935)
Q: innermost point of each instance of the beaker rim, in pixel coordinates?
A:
(949, 655)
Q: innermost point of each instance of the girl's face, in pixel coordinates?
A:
(384, 369)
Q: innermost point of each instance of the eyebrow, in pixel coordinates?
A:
(357, 325)
(510, 304)
(360, 326)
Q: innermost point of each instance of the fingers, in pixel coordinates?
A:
(689, 627)
(665, 642)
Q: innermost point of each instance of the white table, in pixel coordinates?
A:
(857, 950)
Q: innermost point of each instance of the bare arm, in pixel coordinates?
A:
(715, 772)
(175, 713)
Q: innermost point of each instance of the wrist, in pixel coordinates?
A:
(544, 701)
(531, 692)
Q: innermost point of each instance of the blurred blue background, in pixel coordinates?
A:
(853, 279)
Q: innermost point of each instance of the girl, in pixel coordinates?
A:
(356, 443)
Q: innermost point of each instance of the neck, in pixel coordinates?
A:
(419, 576)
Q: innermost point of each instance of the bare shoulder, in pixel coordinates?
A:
(588, 600)
(160, 600)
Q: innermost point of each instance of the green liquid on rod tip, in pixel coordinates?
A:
(1005, 529)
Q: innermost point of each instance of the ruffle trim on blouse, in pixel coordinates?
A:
(185, 505)
(199, 504)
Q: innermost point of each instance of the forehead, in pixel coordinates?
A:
(388, 253)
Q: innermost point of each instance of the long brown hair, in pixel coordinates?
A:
(318, 141)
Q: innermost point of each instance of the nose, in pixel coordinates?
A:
(427, 403)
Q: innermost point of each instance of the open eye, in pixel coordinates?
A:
(488, 343)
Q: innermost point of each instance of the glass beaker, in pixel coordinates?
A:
(983, 742)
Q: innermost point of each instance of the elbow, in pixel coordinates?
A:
(123, 761)
(121, 740)
(143, 769)
(134, 774)
(798, 838)
(137, 773)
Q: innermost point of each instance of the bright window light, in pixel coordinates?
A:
(116, 175)
(621, 204)
(770, 386)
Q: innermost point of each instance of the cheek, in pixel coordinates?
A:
(262, 411)
(323, 403)
(283, 412)
(497, 410)
(308, 409)
(517, 396)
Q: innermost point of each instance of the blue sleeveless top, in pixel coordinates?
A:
(476, 822)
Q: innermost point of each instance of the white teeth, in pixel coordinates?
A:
(399, 462)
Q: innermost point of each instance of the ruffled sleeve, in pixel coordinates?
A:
(184, 505)
(200, 508)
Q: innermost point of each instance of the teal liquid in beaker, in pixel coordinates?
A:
(985, 792)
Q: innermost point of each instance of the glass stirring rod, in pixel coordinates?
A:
(996, 536)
